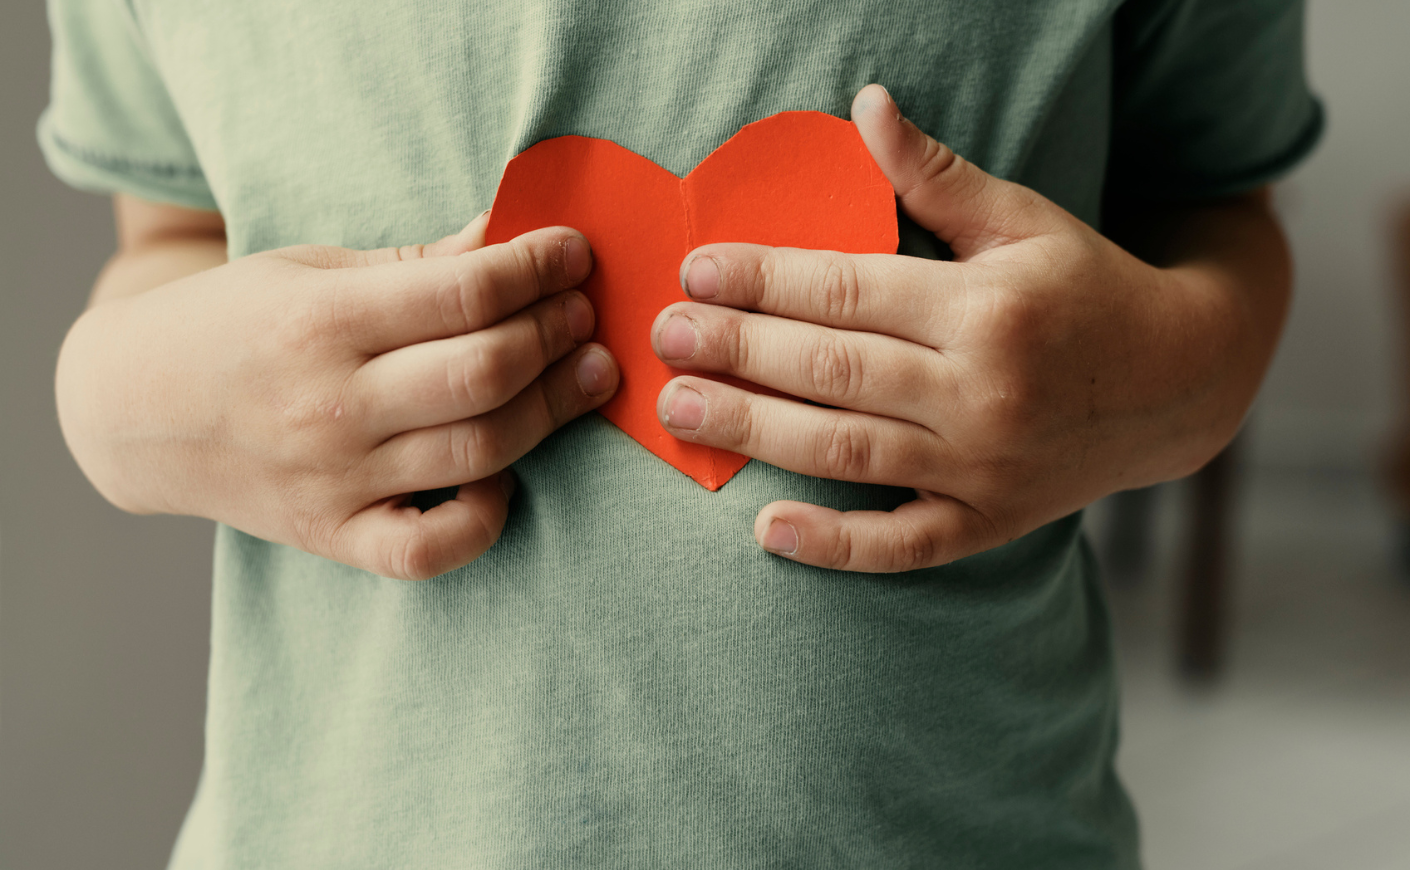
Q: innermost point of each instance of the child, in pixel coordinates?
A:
(908, 663)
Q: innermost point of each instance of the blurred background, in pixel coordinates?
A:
(1267, 717)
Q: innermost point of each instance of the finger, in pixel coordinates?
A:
(883, 293)
(861, 371)
(822, 442)
(395, 539)
(467, 375)
(469, 238)
(480, 446)
(931, 530)
(966, 207)
(397, 304)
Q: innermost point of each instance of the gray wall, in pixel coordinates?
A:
(104, 617)
(1336, 380)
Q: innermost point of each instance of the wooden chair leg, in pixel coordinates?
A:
(1205, 594)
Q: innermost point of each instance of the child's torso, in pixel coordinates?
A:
(626, 679)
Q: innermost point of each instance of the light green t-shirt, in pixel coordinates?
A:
(625, 679)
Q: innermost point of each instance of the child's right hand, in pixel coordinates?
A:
(301, 394)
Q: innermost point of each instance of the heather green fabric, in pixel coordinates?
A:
(626, 679)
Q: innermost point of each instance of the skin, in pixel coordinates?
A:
(1043, 369)
(300, 394)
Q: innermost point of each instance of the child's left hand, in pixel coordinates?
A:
(1044, 368)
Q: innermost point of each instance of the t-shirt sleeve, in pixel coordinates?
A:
(110, 126)
(1211, 97)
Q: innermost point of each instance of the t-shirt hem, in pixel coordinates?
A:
(89, 170)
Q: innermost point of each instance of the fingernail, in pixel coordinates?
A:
(577, 259)
(869, 101)
(594, 373)
(481, 214)
(678, 338)
(507, 483)
(702, 278)
(685, 408)
(780, 537)
(579, 314)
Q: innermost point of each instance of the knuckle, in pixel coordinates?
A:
(1011, 403)
(839, 288)
(770, 277)
(556, 405)
(845, 449)
(1015, 318)
(556, 399)
(324, 315)
(550, 324)
(833, 370)
(999, 529)
(300, 336)
(998, 475)
(841, 550)
(912, 458)
(462, 299)
(317, 256)
(554, 402)
(741, 424)
(473, 447)
(486, 527)
(310, 417)
(731, 423)
(469, 376)
(413, 557)
(937, 165)
(910, 547)
(1013, 391)
(536, 262)
(735, 343)
(314, 530)
(961, 181)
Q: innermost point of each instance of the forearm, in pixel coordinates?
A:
(108, 385)
(153, 264)
(157, 245)
(1231, 263)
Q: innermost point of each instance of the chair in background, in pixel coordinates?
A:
(1395, 467)
(1204, 594)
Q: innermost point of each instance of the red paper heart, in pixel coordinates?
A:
(796, 179)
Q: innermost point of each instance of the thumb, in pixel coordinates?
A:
(395, 538)
(964, 206)
(469, 238)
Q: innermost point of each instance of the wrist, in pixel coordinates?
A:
(1224, 327)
